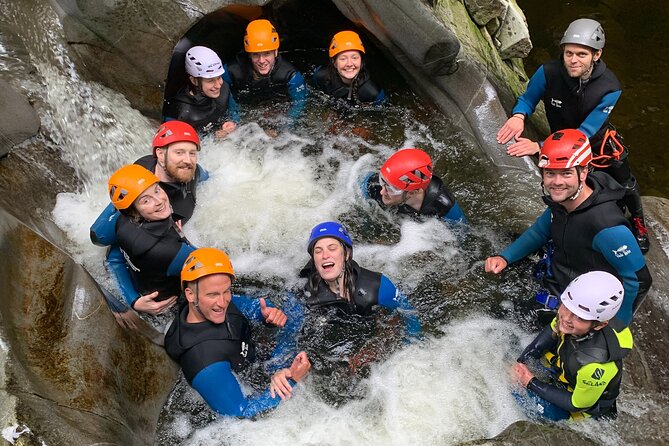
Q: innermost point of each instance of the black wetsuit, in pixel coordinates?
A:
(155, 252)
(438, 200)
(203, 113)
(361, 90)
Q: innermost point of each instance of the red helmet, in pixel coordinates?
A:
(565, 149)
(408, 169)
(174, 131)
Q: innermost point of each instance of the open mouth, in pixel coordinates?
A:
(328, 266)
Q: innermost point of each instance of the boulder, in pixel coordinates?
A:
(483, 11)
(513, 36)
(18, 119)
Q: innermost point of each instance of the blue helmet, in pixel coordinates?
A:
(328, 229)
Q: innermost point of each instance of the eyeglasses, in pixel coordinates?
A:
(392, 190)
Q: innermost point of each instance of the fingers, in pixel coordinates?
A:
(280, 385)
(263, 305)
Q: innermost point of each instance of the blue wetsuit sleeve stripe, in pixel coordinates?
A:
(297, 90)
(619, 247)
(103, 229)
(392, 298)
(598, 116)
(455, 214)
(249, 307)
(204, 174)
(118, 268)
(233, 110)
(286, 342)
(220, 389)
(174, 268)
(536, 87)
(380, 98)
(226, 76)
(364, 186)
(531, 240)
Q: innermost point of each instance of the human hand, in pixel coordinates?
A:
(522, 374)
(300, 366)
(227, 128)
(495, 264)
(512, 128)
(279, 384)
(272, 315)
(148, 304)
(522, 147)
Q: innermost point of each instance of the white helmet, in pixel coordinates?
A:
(594, 296)
(203, 62)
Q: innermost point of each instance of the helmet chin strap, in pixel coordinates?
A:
(570, 198)
(196, 304)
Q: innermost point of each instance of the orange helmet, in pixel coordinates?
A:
(204, 262)
(128, 183)
(565, 149)
(260, 36)
(174, 131)
(408, 169)
(345, 41)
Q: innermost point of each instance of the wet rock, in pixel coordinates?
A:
(483, 11)
(513, 35)
(531, 434)
(69, 373)
(18, 119)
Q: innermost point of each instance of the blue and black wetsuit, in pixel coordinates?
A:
(370, 289)
(284, 81)
(595, 236)
(209, 353)
(103, 231)
(572, 103)
(586, 370)
(205, 114)
(362, 90)
(438, 201)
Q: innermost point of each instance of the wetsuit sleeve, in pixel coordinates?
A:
(619, 247)
(545, 341)
(531, 240)
(286, 343)
(103, 230)
(598, 116)
(118, 268)
(297, 90)
(233, 109)
(380, 98)
(220, 389)
(455, 214)
(536, 87)
(226, 76)
(315, 77)
(249, 307)
(203, 174)
(174, 268)
(392, 298)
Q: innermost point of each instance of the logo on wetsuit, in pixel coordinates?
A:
(598, 373)
(556, 103)
(622, 251)
(245, 349)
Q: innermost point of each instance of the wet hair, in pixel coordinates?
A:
(133, 214)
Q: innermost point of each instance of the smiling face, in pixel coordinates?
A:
(214, 293)
(211, 87)
(348, 64)
(569, 323)
(153, 204)
(562, 183)
(263, 62)
(179, 160)
(578, 59)
(329, 258)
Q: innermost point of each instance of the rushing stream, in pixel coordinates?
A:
(262, 198)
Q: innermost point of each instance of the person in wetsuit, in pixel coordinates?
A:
(149, 236)
(174, 161)
(260, 74)
(335, 280)
(579, 91)
(346, 77)
(406, 182)
(211, 338)
(205, 102)
(586, 226)
(583, 350)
